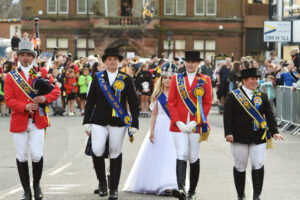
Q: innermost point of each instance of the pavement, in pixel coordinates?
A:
(69, 175)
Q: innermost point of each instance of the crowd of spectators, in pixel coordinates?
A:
(74, 77)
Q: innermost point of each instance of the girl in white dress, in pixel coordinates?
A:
(154, 170)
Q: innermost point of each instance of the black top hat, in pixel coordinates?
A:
(250, 72)
(192, 56)
(168, 69)
(112, 52)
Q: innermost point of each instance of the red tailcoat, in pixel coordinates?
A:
(17, 101)
(178, 110)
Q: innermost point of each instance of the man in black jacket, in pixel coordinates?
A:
(245, 134)
(103, 122)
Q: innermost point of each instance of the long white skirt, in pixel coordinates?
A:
(154, 169)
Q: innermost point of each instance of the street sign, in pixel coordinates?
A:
(277, 31)
(296, 31)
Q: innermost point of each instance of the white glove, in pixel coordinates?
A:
(181, 126)
(87, 128)
(190, 126)
(133, 130)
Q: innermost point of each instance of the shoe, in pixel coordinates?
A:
(113, 195)
(179, 194)
(191, 196)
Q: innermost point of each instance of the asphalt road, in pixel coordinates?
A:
(69, 175)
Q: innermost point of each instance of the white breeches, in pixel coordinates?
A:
(99, 137)
(187, 146)
(32, 138)
(241, 154)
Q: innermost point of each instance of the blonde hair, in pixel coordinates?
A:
(158, 89)
(140, 69)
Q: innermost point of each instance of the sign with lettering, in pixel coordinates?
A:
(277, 31)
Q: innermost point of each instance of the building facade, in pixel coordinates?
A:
(86, 27)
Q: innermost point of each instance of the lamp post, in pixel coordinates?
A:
(169, 38)
(75, 36)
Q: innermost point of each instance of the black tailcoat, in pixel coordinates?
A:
(99, 111)
(237, 121)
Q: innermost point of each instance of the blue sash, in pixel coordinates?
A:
(190, 105)
(259, 121)
(198, 92)
(114, 102)
(23, 84)
(164, 103)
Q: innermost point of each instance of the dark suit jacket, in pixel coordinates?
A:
(99, 111)
(237, 121)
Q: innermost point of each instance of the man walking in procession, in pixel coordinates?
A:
(249, 125)
(189, 101)
(106, 118)
(29, 119)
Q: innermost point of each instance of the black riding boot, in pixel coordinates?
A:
(257, 180)
(37, 169)
(181, 174)
(115, 173)
(25, 180)
(194, 177)
(239, 181)
(99, 165)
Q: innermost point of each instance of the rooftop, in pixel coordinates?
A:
(10, 10)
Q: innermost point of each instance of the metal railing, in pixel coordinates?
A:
(288, 108)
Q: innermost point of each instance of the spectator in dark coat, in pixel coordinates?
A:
(15, 42)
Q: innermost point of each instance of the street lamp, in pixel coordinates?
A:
(169, 38)
(75, 36)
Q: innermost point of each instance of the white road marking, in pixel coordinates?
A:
(11, 192)
(60, 169)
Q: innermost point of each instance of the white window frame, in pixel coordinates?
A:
(165, 8)
(84, 12)
(49, 12)
(88, 8)
(206, 9)
(195, 11)
(58, 7)
(177, 9)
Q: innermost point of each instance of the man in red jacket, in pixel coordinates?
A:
(22, 99)
(189, 101)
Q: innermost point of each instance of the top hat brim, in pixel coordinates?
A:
(27, 51)
(105, 56)
(248, 76)
(192, 59)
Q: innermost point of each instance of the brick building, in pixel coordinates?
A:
(210, 26)
(10, 18)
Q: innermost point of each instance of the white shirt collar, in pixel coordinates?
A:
(26, 71)
(248, 92)
(112, 76)
(191, 77)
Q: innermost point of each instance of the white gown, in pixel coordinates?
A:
(154, 169)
